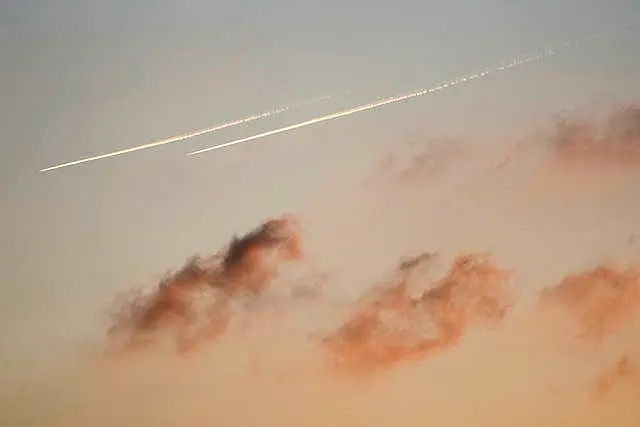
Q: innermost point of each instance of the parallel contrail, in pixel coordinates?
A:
(392, 100)
(191, 134)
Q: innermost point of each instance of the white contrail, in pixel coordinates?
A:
(191, 134)
(376, 104)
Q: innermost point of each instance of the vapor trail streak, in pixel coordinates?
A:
(392, 100)
(188, 135)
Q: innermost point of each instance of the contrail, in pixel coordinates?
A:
(392, 100)
(192, 134)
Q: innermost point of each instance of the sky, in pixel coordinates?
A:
(79, 78)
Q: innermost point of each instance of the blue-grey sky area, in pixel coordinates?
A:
(85, 77)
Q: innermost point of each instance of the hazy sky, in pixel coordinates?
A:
(85, 77)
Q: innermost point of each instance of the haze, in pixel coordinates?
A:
(83, 78)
